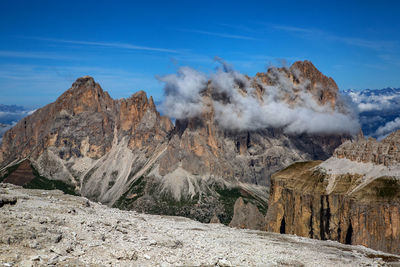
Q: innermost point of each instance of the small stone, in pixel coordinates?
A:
(223, 263)
(134, 256)
(53, 261)
(36, 258)
(58, 238)
(147, 257)
(34, 245)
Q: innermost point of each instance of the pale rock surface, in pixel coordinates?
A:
(49, 228)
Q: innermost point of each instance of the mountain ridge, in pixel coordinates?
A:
(124, 154)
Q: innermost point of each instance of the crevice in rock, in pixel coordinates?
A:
(325, 216)
(248, 140)
(349, 234)
(311, 233)
(282, 229)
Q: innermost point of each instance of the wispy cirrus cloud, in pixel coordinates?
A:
(222, 35)
(34, 55)
(317, 33)
(106, 44)
(46, 83)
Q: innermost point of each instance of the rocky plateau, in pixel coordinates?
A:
(353, 197)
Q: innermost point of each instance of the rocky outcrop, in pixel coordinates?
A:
(124, 154)
(247, 215)
(386, 152)
(352, 201)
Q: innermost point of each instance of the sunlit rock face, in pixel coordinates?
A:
(87, 139)
(124, 154)
(353, 197)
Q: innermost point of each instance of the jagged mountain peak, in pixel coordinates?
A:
(123, 153)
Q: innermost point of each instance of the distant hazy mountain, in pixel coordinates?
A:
(10, 115)
(379, 110)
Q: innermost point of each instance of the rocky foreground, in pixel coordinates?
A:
(41, 227)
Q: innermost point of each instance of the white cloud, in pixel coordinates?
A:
(218, 34)
(106, 44)
(389, 127)
(238, 107)
(379, 45)
(182, 93)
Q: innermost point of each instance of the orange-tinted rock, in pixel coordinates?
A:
(83, 112)
(312, 200)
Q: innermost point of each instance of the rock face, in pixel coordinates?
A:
(88, 140)
(124, 154)
(323, 88)
(22, 175)
(42, 228)
(386, 152)
(353, 197)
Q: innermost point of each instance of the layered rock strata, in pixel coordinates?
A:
(353, 197)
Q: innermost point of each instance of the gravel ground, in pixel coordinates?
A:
(41, 228)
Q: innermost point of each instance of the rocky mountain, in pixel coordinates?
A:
(353, 197)
(3, 129)
(124, 154)
(49, 228)
(378, 110)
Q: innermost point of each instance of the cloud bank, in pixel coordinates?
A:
(239, 105)
(379, 110)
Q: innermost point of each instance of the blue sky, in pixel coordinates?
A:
(124, 45)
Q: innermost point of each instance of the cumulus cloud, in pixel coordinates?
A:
(379, 110)
(239, 106)
(371, 100)
(182, 93)
(389, 127)
(12, 113)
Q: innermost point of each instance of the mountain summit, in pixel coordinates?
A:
(213, 165)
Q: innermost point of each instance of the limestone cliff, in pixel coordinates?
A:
(124, 154)
(88, 140)
(210, 166)
(353, 197)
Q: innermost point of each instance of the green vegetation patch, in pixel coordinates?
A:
(136, 190)
(40, 182)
